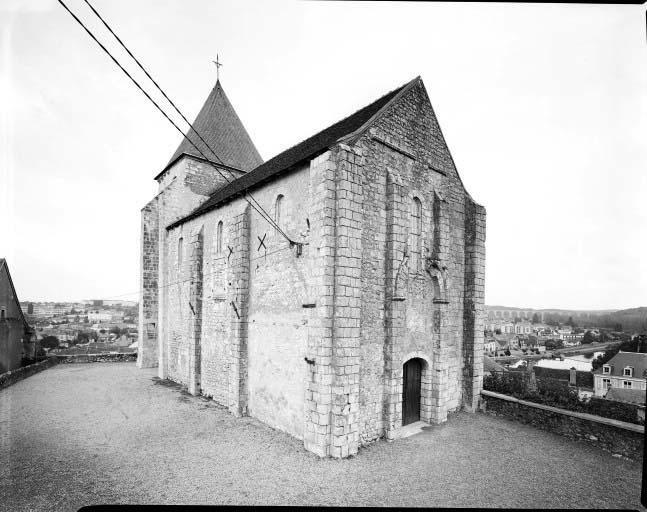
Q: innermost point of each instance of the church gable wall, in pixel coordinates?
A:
(189, 182)
(406, 158)
(204, 179)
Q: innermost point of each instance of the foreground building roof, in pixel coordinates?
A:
(490, 365)
(636, 360)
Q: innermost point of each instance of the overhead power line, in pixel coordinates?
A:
(264, 215)
(159, 88)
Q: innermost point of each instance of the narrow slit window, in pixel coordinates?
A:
(180, 251)
(416, 232)
(278, 210)
(219, 238)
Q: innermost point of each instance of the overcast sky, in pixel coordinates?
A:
(544, 109)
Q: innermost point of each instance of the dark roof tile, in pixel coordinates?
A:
(638, 361)
(490, 365)
(220, 126)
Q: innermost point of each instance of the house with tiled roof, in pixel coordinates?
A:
(624, 371)
(17, 338)
(334, 291)
(491, 366)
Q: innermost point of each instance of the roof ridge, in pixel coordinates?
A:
(307, 148)
(400, 91)
(396, 90)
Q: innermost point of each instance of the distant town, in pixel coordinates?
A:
(530, 330)
(571, 346)
(512, 335)
(83, 327)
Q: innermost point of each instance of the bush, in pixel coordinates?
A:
(507, 383)
(615, 410)
(557, 393)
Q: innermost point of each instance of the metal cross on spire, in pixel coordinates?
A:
(218, 64)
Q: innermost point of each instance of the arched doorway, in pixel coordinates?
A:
(411, 379)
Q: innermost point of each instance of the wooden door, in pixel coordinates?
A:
(411, 391)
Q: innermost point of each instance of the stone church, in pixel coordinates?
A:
(335, 291)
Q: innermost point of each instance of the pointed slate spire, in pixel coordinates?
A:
(222, 129)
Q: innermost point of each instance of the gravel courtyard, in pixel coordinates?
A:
(98, 433)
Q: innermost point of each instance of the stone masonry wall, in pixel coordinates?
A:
(347, 301)
(314, 342)
(256, 307)
(183, 187)
(473, 314)
(318, 398)
(196, 251)
(13, 376)
(149, 273)
(614, 439)
(280, 285)
(408, 309)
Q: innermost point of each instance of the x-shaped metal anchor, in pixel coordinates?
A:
(262, 242)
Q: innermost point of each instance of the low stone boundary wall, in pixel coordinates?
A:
(9, 378)
(110, 357)
(617, 437)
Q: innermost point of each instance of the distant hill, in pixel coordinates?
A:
(627, 320)
(559, 311)
(634, 319)
(633, 311)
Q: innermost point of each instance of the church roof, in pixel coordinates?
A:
(220, 126)
(307, 149)
(490, 365)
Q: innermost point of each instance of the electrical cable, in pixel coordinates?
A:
(268, 219)
(123, 45)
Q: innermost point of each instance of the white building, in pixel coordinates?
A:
(626, 370)
(523, 328)
(97, 315)
(489, 345)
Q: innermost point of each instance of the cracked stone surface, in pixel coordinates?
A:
(85, 434)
